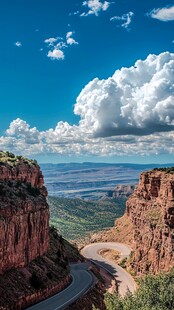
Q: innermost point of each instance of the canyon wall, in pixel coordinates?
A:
(151, 211)
(24, 212)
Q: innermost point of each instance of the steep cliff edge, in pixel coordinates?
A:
(151, 210)
(148, 223)
(24, 212)
(34, 259)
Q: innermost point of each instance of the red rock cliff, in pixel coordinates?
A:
(24, 213)
(151, 210)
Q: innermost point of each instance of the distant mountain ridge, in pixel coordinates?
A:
(95, 164)
(91, 180)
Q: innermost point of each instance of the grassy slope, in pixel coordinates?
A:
(76, 218)
(121, 232)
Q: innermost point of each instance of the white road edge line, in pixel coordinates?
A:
(59, 308)
(98, 264)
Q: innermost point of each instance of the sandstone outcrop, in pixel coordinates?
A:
(24, 212)
(151, 211)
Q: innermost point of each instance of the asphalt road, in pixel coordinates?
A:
(123, 278)
(82, 281)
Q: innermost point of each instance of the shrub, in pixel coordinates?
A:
(167, 169)
(123, 262)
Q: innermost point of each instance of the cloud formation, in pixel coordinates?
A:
(72, 140)
(18, 44)
(56, 54)
(125, 20)
(57, 45)
(138, 100)
(52, 41)
(130, 113)
(22, 130)
(95, 7)
(69, 38)
(165, 14)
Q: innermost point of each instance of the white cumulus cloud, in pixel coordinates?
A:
(95, 7)
(51, 41)
(137, 100)
(57, 45)
(56, 54)
(164, 14)
(125, 19)
(18, 44)
(21, 129)
(130, 113)
(69, 39)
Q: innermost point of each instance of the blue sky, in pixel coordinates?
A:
(60, 100)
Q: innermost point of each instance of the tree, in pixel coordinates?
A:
(154, 292)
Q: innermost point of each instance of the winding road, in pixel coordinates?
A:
(82, 281)
(124, 279)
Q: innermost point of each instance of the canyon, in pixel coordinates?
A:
(34, 258)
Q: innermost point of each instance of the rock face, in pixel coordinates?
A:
(151, 210)
(24, 213)
(23, 172)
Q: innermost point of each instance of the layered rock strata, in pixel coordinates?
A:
(24, 213)
(120, 191)
(151, 210)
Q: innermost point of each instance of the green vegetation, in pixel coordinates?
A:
(123, 262)
(154, 293)
(71, 251)
(11, 159)
(76, 218)
(167, 169)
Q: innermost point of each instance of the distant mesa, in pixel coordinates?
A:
(120, 191)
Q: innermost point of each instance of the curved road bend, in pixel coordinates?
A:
(82, 281)
(123, 278)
